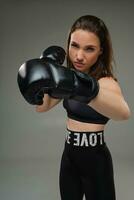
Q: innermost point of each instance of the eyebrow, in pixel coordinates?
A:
(89, 45)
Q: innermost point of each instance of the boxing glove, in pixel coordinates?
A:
(69, 83)
(55, 54)
(34, 77)
(34, 80)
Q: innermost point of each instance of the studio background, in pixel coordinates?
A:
(31, 143)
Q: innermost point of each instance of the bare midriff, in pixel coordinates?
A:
(82, 126)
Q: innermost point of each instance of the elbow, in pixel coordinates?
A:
(127, 115)
(39, 109)
(123, 115)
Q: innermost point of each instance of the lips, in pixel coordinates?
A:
(79, 65)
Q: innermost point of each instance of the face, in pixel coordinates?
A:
(84, 49)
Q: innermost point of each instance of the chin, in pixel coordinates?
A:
(81, 70)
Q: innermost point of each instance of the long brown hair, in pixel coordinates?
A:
(103, 67)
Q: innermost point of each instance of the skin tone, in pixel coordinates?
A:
(84, 50)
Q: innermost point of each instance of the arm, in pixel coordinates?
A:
(110, 101)
(48, 103)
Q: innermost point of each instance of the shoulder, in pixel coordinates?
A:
(109, 83)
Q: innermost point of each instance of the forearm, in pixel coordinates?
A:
(48, 103)
(110, 104)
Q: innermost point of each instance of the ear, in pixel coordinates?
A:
(101, 51)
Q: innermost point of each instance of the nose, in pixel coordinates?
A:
(79, 56)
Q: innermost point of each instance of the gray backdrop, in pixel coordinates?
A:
(31, 143)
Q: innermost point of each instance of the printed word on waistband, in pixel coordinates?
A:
(83, 139)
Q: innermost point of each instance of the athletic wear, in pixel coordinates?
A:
(86, 168)
(83, 112)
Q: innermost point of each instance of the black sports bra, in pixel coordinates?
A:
(83, 112)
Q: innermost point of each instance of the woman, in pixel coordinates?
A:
(86, 165)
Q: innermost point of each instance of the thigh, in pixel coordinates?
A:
(99, 185)
(70, 183)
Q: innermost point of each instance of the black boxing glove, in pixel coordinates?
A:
(34, 80)
(69, 83)
(55, 54)
(34, 77)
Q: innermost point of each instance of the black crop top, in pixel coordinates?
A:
(83, 112)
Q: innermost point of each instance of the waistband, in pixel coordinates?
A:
(84, 139)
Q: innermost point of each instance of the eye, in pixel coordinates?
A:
(74, 45)
(89, 49)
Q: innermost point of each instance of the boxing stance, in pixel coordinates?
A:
(45, 75)
(91, 97)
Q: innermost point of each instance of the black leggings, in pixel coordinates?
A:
(86, 168)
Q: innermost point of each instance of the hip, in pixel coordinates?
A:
(87, 151)
(83, 139)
